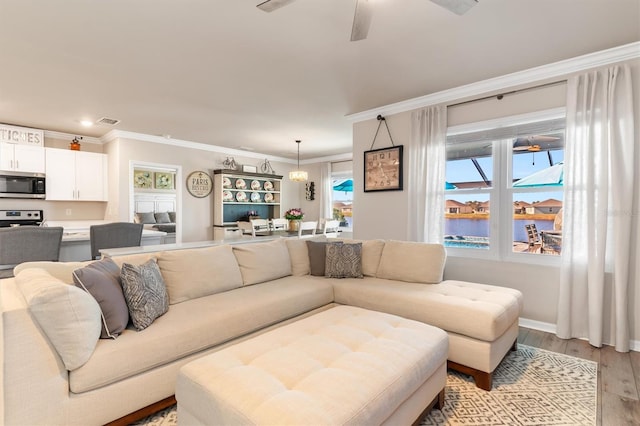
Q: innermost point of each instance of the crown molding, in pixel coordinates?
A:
(121, 134)
(554, 70)
(60, 135)
(331, 158)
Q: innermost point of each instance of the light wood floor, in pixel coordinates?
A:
(618, 375)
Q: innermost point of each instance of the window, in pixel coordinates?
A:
(504, 187)
(342, 198)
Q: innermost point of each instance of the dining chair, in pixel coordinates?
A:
(28, 244)
(114, 235)
(245, 227)
(307, 229)
(259, 226)
(279, 224)
(331, 228)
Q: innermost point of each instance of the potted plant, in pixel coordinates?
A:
(294, 216)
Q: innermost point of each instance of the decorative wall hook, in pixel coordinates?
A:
(381, 120)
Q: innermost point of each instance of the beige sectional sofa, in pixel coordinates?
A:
(57, 370)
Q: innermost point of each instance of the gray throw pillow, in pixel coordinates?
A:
(162, 217)
(172, 217)
(317, 256)
(145, 293)
(343, 260)
(144, 218)
(101, 280)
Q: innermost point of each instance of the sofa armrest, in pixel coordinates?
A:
(32, 369)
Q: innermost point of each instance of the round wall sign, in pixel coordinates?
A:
(199, 184)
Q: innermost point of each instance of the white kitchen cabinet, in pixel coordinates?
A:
(21, 158)
(76, 175)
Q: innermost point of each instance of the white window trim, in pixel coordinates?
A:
(501, 249)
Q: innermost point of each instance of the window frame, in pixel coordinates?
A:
(501, 231)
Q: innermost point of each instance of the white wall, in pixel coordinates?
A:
(384, 214)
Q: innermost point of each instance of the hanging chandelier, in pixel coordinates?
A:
(298, 175)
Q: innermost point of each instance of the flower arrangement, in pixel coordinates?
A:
(294, 214)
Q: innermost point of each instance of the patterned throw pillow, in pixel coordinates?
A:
(145, 292)
(343, 260)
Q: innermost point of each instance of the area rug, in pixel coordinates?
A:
(530, 387)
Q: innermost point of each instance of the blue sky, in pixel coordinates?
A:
(524, 164)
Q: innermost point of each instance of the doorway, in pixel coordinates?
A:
(155, 188)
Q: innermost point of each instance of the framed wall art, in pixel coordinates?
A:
(383, 169)
(142, 179)
(164, 180)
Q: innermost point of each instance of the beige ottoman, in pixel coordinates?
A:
(346, 365)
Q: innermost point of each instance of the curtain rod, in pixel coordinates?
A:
(499, 96)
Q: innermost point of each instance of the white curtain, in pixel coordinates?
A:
(427, 158)
(325, 190)
(599, 198)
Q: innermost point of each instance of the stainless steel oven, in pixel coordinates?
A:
(22, 185)
(20, 218)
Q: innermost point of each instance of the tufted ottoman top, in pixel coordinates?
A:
(346, 365)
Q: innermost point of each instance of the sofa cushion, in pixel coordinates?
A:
(172, 217)
(145, 293)
(198, 324)
(412, 262)
(69, 316)
(318, 256)
(134, 259)
(101, 279)
(371, 252)
(60, 270)
(343, 260)
(299, 254)
(199, 272)
(260, 262)
(479, 311)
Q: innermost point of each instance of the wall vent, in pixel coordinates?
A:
(109, 121)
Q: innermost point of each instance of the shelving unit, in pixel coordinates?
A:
(236, 194)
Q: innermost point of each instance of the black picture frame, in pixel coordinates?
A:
(383, 169)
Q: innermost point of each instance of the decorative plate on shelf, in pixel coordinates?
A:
(241, 196)
(226, 182)
(255, 197)
(268, 197)
(255, 185)
(240, 184)
(227, 196)
(268, 186)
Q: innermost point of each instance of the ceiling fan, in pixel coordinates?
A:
(532, 143)
(364, 11)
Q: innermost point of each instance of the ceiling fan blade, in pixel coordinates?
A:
(361, 20)
(459, 7)
(271, 5)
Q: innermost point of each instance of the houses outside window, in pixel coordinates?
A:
(504, 187)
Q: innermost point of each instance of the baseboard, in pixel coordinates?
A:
(551, 328)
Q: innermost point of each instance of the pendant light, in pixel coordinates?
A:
(298, 175)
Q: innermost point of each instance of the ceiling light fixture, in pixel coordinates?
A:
(86, 123)
(298, 175)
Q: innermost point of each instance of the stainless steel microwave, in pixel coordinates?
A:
(22, 185)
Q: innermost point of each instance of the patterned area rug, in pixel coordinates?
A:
(531, 387)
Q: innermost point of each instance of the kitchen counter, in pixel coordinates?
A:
(76, 245)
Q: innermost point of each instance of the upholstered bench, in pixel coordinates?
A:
(345, 365)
